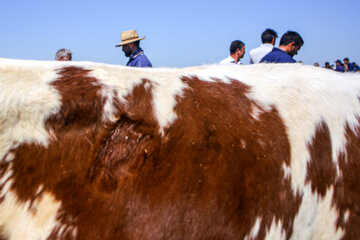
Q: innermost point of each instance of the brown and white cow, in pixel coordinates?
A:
(95, 151)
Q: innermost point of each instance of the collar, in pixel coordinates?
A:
(136, 53)
(279, 49)
(267, 45)
(233, 60)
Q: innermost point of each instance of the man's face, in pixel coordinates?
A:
(67, 58)
(293, 49)
(241, 52)
(127, 50)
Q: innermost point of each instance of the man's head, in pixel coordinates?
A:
(130, 42)
(327, 65)
(237, 49)
(338, 62)
(346, 60)
(291, 42)
(130, 48)
(63, 54)
(269, 36)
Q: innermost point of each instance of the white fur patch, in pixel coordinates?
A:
(276, 231)
(166, 86)
(19, 221)
(66, 230)
(256, 112)
(286, 170)
(5, 181)
(254, 231)
(346, 216)
(317, 217)
(27, 100)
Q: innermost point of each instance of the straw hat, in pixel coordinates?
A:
(128, 37)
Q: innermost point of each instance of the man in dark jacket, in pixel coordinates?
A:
(290, 44)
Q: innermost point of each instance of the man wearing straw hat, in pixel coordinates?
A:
(130, 43)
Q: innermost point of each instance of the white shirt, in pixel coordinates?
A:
(229, 60)
(258, 53)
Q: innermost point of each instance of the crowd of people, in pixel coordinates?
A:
(340, 66)
(290, 43)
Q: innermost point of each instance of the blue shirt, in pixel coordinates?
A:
(339, 68)
(277, 56)
(351, 67)
(138, 59)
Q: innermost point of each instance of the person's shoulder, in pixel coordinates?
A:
(226, 60)
(255, 50)
(145, 60)
(269, 57)
(223, 61)
(277, 56)
(350, 67)
(141, 61)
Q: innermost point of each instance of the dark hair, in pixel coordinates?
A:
(268, 35)
(290, 37)
(346, 59)
(237, 44)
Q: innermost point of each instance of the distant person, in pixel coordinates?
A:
(237, 51)
(290, 44)
(349, 67)
(339, 66)
(356, 67)
(63, 54)
(130, 43)
(268, 38)
(316, 64)
(327, 65)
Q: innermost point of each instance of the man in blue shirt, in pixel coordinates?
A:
(339, 66)
(290, 44)
(349, 67)
(130, 43)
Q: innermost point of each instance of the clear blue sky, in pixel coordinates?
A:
(178, 33)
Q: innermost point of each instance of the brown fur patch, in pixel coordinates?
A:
(347, 189)
(218, 169)
(2, 234)
(123, 147)
(321, 170)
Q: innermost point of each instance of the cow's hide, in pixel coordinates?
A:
(96, 151)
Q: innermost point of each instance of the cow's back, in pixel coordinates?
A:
(95, 151)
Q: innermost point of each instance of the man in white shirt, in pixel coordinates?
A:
(237, 51)
(268, 38)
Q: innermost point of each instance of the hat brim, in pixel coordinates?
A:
(129, 41)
